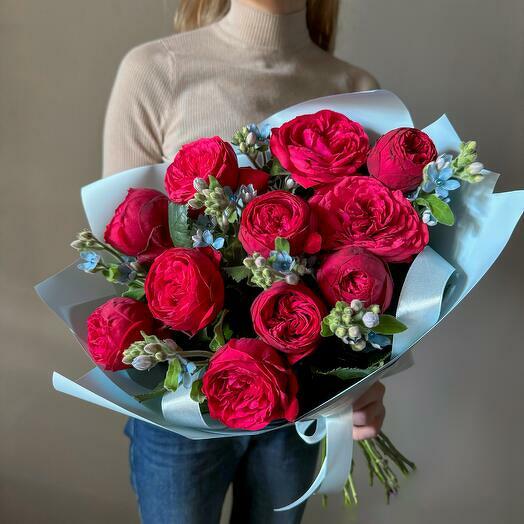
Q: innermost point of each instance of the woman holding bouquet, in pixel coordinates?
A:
(234, 62)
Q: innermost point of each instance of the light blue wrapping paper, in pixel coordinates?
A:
(439, 278)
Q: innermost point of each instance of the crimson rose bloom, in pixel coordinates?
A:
(113, 327)
(248, 385)
(257, 177)
(399, 156)
(289, 319)
(320, 148)
(353, 273)
(184, 288)
(199, 159)
(139, 226)
(278, 214)
(359, 211)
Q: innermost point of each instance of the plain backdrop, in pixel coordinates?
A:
(457, 413)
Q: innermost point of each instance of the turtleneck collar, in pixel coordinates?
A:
(261, 29)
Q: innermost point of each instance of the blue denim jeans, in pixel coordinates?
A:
(183, 481)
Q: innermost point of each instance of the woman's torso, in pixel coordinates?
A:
(213, 80)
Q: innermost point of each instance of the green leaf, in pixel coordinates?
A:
(219, 339)
(173, 372)
(325, 329)
(178, 226)
(154, 393)
(135, 290)
(349, 373)
(213, 182)
(276, 168)
(228, 332)
(282, 245)
(389, 325)
(440, 210)
(196, 392)
(237, 273)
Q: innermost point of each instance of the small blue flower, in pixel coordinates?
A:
(91, 259)
(261, 133)
(378, 341)
(205, 239)
(282, 261)
(126, 274)
(188, 370)
(438, 177)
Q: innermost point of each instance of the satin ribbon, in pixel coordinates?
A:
(336, 466)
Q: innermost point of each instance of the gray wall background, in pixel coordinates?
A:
(458, 412)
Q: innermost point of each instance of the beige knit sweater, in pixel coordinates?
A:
(213, 80)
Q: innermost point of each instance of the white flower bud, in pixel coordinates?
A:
(251, 139)
(290, 183)
(143, 362)
(475, 168)
(152, 348)
(292, 279)
(260, 261)
(359, 345)
(199, 184)
(428, 219)
(356, 305)
(354, 332)
(375, 308)
(370, 319)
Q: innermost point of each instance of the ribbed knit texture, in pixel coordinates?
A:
(213, 80)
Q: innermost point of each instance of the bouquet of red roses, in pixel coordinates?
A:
(261, 285)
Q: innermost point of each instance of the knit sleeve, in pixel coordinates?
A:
(138, 109)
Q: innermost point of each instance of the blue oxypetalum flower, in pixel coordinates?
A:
(438, 175)
(188, 370)
(91, 259)
(282, 261)
(205, 239)
(378, 341)
(125, 274)
(262, 133)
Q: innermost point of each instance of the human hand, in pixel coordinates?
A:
(369, 413)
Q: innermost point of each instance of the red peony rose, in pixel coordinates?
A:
(320, 148)
(354, 273)
(139, 226)
(399, 156)
(248, 385)
(289, 319)
(199, 159)
(184, 288)
(359, 211)
(113, 327)
(278, 214)
(257, 177)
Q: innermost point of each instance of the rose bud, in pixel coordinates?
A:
(398, 158)
(354, 273)
(140, 225)
(278, 214)
(320, 148)
(359, 211)
(184, 288)
(257, 177)
(113, 327)
(199, 159)
(248, 385)
(289, 318)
